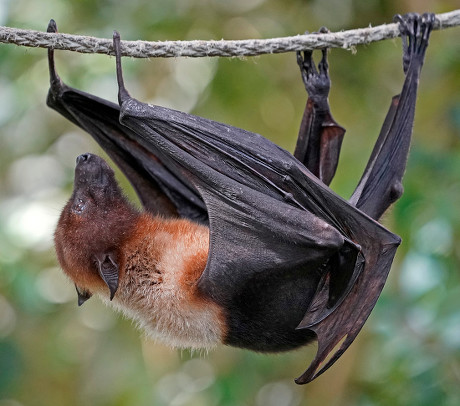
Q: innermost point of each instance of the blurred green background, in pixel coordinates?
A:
(54, 353)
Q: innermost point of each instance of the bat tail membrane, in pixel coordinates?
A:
(380, 185)
(337, 329)
(320, 137)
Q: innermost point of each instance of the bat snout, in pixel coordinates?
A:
(82, 158)
(92, 170)
(87, 158)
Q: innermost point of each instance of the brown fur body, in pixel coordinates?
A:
(159, 263)
(162, 262)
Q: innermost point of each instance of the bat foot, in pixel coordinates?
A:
(415, 31)
(316, 80)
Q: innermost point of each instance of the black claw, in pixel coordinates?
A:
(54, 77)
(304, 60)
(415, 31)
(298, 55)
(52, 26)
(323, 30)
(316, 80)
(305, 63)
(428, 22)
(122, 92)
(116, 35)
(324, 65)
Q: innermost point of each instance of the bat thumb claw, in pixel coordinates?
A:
(52, 26)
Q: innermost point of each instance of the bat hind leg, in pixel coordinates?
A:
(316, 80)
(381, 183)
(320, 137)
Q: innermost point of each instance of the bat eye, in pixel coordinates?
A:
(79, 206)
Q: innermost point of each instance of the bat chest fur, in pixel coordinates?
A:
(158, 286)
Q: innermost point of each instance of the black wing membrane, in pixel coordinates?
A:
(160, 190)
(267, 212)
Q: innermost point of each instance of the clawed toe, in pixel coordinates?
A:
(415, 26)
(310, 73)
(415, 31)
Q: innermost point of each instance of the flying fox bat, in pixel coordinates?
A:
(240, 242)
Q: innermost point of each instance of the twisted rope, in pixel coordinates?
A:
(198, 48)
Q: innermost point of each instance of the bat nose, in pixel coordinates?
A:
(83, 157)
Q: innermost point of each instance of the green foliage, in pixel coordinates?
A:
(53, 353)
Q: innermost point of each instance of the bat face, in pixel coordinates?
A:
(149, 266)
(96, 220)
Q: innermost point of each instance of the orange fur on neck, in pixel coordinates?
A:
(160, 262)
(163, 260)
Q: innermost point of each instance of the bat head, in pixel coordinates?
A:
(93, 227)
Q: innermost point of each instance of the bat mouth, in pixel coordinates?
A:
(92, 171)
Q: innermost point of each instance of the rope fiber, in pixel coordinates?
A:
(236, 48)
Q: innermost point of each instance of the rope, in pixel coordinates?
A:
(198, 48)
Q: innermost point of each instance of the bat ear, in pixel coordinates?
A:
(108, 270)
(83, 295)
